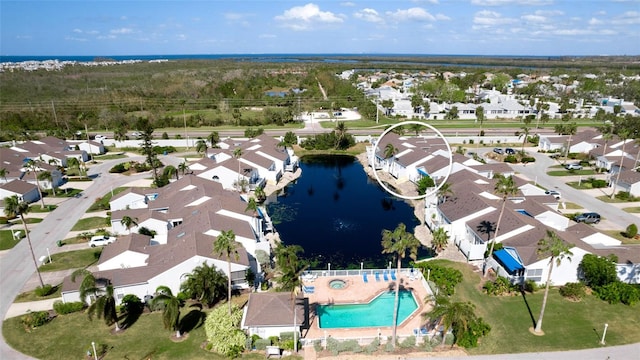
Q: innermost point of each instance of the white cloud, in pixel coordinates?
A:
(595, 21)
(24, 37)
(267, 36)
(72, 38)
(106, 37)
(628, 18)
(236, 16)
(412, 14)
(347, 3)
(491, 18)
(121, 31)
(511, 2)
(181, 37)
(303, 17)
(434, 2)
(549, 12)
(442, 17)
(534, 18)
(369, 15)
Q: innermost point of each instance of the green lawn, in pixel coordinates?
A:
(582, 172)
(619, 235)
(6, 239)
(109, 156)
(608, 199)
(90, 223)
(39, 209)
(31, 295)
(567, 325)
(72, 259)
(581, 185)
(103, 203)
(70, 337)
(572, 206)
(632, 209)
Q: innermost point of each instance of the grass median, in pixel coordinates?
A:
(72, 260)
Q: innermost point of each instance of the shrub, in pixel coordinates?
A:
(445, 278)
(118, 168)
(373, 346)
(317, 345)
(287, 335)
(349, 345)
(632, 230)
(45, 290)
(165, 135)
(131, 304)
(500, 286)
(222, 331)
(35, 319)
(530, 286)
(408, 343)
(62, 308)
(573, 291)
(617, 292)
(261, 344)
(598, 183)
(469, 338)
(597, 271)
(528, 159)
(333, 345)
(388, 347)
(3, 220)
(510, 159)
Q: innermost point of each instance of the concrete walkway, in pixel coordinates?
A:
(21, 308)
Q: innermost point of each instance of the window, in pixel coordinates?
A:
(534, 274)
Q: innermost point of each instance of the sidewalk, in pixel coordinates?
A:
(17, 309)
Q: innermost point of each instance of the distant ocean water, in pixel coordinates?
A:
(340, 58)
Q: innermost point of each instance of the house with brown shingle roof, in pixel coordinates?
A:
(25, 191)
(629, 181)
(272, 313)
(165, 266)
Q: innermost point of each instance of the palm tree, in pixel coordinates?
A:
(16, 207)
(554, 246)
(171, 308)
(129, 222)
(440, 240)
(237, 154)
(33, 166)
(205, 284)
(398, 242)
(415, 128)
(104, 306)
(505, 187)
(169, 171)
(289, 266)
(214, 139)
(341, 132)
(623, 134)
(47, 177)
(252, 205)
(457, 315)
(444, 191)
(480, 119)
(226, 245)
(183, 167)
(389, 152)
(201, 147)
(3, 173)
(88, 286)
(607, 135)
(260, 194)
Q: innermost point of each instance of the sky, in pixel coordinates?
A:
(433, 27)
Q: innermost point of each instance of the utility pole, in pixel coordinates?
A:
(377, 99)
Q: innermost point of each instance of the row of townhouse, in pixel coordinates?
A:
(615, 155)
(470, 215)
(50, 153)
(417, 157)
(186, 217)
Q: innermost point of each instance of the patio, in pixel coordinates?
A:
(357, 291)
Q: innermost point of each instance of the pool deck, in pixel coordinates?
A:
(357, 291)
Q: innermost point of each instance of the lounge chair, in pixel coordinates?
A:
(364, 278)
(393, 275)
(308, 289)
(377, 276)
(385, 276)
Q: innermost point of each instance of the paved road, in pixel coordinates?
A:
(17, 267)
(537, 172)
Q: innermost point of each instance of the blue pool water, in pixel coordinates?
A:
(378, 312)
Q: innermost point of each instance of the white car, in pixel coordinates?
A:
(100, 137)
(101, 240)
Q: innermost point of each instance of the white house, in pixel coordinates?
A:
(270, 314)
(25, 191)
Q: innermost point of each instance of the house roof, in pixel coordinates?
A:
(133, 242)
(18, 186)
(271, 309)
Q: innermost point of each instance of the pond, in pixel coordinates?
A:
(336, 213)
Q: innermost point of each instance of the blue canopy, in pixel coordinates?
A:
(260, 213)
(422, 172)
(507, 260)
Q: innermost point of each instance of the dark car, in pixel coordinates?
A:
(588, 218)
(510, 151)
(498, 151)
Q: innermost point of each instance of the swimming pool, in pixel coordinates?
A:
(378, 312)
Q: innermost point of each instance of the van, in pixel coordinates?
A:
(101, 240)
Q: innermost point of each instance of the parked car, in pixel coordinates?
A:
(101, 240)
(573, 167)
(510, 151)
(100, 137)
(136, 134)
(555, 194)
(588, 218)
(498, 151)
(555, 155)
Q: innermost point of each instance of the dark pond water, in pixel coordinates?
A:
(337, 214)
